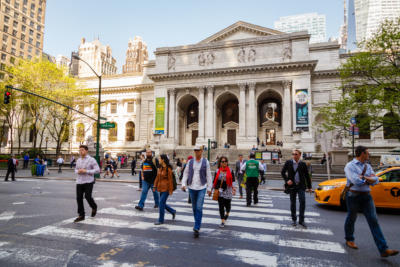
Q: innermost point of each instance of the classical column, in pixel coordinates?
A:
(252, 110)
(172, 109)
(242, 109)
(137, 120)
(201, 113)
(287, 109)
(210, 112)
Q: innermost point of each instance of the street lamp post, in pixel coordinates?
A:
(98, 112)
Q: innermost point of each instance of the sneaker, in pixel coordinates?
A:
(80, 218)
(196, 233)
(303, 224)
(173, 215)
(222, 225)
(139, 208)
(94, 211)
(156, 206)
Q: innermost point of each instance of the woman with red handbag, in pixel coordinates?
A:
(224, 189)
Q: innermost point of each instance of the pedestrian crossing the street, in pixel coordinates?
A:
(258, 235)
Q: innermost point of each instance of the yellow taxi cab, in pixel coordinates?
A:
(386, 193)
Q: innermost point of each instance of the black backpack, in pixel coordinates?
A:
(174, 183)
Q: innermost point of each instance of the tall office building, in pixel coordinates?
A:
(136, 55)
(22, 29)
(314, 23)
(369, 14)
(98, 56)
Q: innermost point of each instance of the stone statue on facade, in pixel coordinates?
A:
(252, 55)
(241, 56)
(287, 52)
(202, 59)
(171, 62)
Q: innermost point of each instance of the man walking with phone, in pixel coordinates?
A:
(360, 177)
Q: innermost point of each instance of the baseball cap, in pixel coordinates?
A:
(197, 147)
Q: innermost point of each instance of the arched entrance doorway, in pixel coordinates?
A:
(188, 118)
(227, 119)
(269, 119)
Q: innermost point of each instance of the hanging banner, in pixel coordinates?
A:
(160, 111)
(301, 99)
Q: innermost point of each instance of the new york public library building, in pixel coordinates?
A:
(244, 83)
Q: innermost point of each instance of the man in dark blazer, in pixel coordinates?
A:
(297, 179)
(239, 174)
(11, 166)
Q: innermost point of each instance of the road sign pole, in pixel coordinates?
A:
(208, 150)
(98, 128)
(352, 132)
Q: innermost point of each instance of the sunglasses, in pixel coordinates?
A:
(294, 154)
(223, 161)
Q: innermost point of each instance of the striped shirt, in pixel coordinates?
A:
(90, 165)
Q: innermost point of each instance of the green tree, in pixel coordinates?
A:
(370, 84)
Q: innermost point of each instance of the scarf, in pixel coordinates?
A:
(228, 176)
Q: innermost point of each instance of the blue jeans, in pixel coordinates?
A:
(197, 197)
(164, 206)
(145, 190)
(365, 203)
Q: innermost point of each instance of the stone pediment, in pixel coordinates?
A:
(231, 125)
(240, 30)
(270, 124)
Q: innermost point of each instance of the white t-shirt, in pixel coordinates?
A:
(196, 181)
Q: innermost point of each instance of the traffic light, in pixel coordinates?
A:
(7, 95)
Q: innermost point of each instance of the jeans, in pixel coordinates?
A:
(146, 188)
(240, 180)
(59, 168)
(87, 190)
(224, 206)
(365, 203)
(12, 174)
(252, 185)
(163, 206)
(197, 197)
(302, 199)
(140, 180)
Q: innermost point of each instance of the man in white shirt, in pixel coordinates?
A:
(197, 176)
(86, 167)
(60, 162)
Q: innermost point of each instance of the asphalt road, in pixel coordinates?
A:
(36, 229)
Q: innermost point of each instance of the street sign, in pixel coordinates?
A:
(107, 125)
(353, 120)
(102, 118)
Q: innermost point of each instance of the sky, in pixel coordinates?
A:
(164, 23)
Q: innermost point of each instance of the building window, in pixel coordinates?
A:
(25, 2)
(16, 5)
(14, 42)
(8, 1)
(39, 27)
(13, 51)
(21, 54)
(80, 132)
(39, 18)
(5, 28)
(1, 75)
(16, 15)
(130, 131)
(30, 40)
(31, 24)
(14, 33)
(30, 49)
(29, 57)
(37, 52)
(15, 24)
(6, 19)
(130, 106)
(23, 28)
(7, 9)
(24, 10)
(38, 44)
(113, 134)
(30, 32)
(4, 47)
(32, 15)
(2, 66)
(113, 107)
(22, 45)
(22, 37)
(24, 19)
(3, 56)
(5, 37)
(38, 36)
(12, 60)
(32, 6)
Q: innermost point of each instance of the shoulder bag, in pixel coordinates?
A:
(216, 192)
(347, 187)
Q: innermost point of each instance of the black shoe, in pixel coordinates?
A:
(156, 206)
(158, 223)
(80, 218)
(248, 205)
(94, 211)
(196, 233)
(139, 208)
(303, 224)
(294, 223)
(173, 215)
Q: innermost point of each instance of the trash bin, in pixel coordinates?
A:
(49, 162)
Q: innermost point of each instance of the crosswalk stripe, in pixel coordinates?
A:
(236, 208)
(239, 223)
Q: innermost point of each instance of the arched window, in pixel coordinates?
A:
(391, 126)
(80, 132)
(130, 131)
(363, 124)
(113, 133)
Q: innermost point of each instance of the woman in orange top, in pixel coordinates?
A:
(164, 185)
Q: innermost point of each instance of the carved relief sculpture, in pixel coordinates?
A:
(287, 52)
(171, 62)
(241, 55)
(252, 55)
(206, 59)
(202, 59)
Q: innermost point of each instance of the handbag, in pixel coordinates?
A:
(216, 192)
(347, 187)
